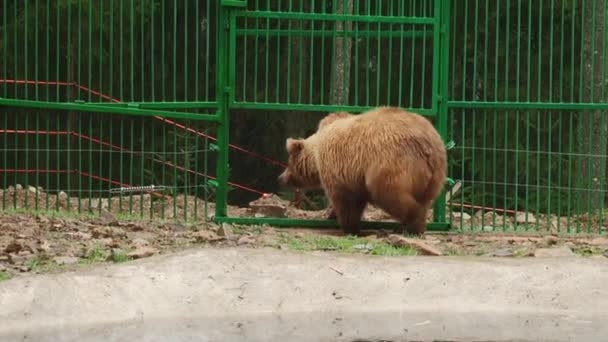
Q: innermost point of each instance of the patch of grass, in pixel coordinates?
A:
(522, 252)
(389, 250)
(587, 251)
(4, 276)
(40, 265)
(96, 254)
(120, 257)
(348, 244)
(242, 229)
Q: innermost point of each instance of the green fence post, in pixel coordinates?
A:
(221, 194)
(442, 91)
(225, 86)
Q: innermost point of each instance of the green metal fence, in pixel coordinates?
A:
(101, 100)
(528, 103)
(109, 105)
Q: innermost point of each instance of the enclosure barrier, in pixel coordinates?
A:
(138, 107)
(527, 105)
(307, 57)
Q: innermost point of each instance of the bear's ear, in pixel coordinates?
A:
(294, 145)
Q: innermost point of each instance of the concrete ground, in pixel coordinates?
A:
(246, 294)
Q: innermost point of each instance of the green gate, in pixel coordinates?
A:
(364, 46)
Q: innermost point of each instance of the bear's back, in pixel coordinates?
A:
(384, 132)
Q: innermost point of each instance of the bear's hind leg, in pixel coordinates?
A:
(396, 200)
(417, 226)
(405, 209)
(348, 208)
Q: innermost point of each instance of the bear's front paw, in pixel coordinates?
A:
(331, 214)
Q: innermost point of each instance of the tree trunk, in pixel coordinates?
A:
(299, 56)
(592, 128)
(340, 77)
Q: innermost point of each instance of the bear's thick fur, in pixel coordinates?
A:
(387, 156)
(331, 118)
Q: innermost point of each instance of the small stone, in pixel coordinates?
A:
(42, 219)
(555, 252)
(246, 240)
(3, 268)
(207, 235)
(18, 187)
(419, 245)
(143, 252)
(134, 227)
(502, 253)
(461, 215)
(83, 236)
(62, 198)
(270, 210)
(16, 259)
(117, 232)
(45, 246)
(363, 247)
(116, 253)
(24, 268)
(108, 232)
(107, 218)
(525, 218)
(65, 260)
(550, 240)
(178, 227)
(225, 230)
(4, 258)
(491, 218)
(139, 242)
(109, 242)
(98, 232)
(56, 226)
(13, 247)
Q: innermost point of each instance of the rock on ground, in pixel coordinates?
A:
(419, 245)
(142, 252)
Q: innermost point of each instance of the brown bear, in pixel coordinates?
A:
(391, 158)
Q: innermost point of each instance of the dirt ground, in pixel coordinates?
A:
(36, 242)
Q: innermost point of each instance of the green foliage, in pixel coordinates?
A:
(4, 276)
(349, 244)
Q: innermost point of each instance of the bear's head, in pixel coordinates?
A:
(301, 171)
